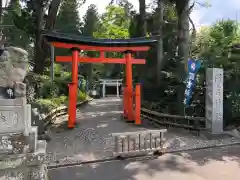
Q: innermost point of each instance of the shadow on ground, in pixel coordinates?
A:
(126, 170)
(199, 165)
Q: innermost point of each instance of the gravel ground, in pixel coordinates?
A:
(179, 140)
(91, 140)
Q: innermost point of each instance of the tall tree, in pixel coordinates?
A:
(141, 32)
(90, 25)
(90, 21)
(68, 12)
(34, 20)
(160, 51)
(43, 22)
(183, 28)
(14, 36)
(114, 24)
(142, 18)
(68, 20)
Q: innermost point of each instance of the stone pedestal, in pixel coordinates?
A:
(214, 100)
(22, 156)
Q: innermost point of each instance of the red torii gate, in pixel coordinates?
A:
(77, 43)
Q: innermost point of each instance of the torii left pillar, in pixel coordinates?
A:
(73, 89)
(129, 86)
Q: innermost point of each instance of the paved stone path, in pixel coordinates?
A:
(211, 164)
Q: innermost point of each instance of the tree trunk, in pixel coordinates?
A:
(39, 53)
(142, 31)
(183, 47)
(183, 30)
(192, 39)
(52, 14)
(42, 49)
(160, 54)
(1, 21)
(142, 18)
(1, 10)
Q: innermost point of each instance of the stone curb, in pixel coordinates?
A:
(60, 111)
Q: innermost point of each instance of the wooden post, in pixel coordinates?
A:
(70, 104)
(73, 90)
(117, 89)
(104, 89)
(129, 90)
(138, 104)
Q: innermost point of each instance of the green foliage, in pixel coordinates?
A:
(47, 104)
(91, 21)
(61, 80)
(68, 20)
(90, 25)
(14, 35)
(213, 48)
(113, 23)
(50, 94)
(60, 100)
(49, 90)
(81, 95)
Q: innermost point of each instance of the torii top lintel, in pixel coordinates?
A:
(60, 40)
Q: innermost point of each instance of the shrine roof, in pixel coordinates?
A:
(89, 41)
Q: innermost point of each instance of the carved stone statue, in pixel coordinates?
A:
(13, 69)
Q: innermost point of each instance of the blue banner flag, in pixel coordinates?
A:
(192, 68)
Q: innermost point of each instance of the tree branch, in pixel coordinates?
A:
(52, 13)
(194, 31)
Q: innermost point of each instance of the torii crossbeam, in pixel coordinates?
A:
(77, 43)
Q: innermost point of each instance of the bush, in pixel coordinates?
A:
(48, 90)
(81, 96)
(60, 100)
(48, 95)
(62, 83)
(46, 104)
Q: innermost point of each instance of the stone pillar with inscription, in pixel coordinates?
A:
(22, 156)
(214, 100)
